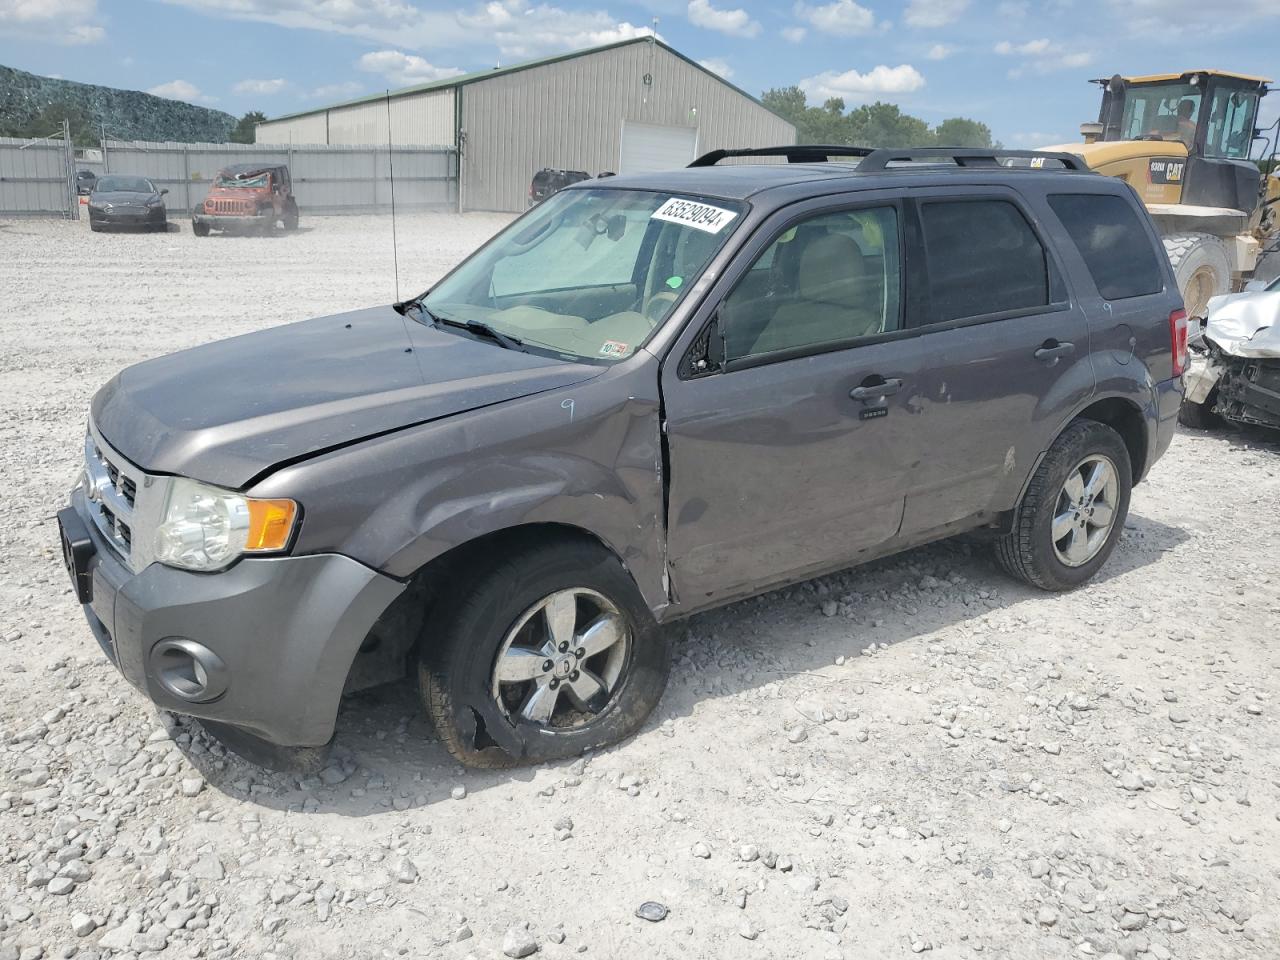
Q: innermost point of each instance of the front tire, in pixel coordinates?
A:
(542, 655)
(1073, 510)
(200, 229)
(1200, 416)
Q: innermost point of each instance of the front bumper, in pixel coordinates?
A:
(226, 221)
(284, 629)
(148, 217)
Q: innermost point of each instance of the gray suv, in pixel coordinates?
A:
(646, 397)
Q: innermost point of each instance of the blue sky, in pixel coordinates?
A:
(1018, 65)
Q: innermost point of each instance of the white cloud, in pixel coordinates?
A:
(843, 18)
(261, 88)
(386, 21)
(404, 69)
(1042, 56)
(335, 91)
(794, 34)
(934, 13)
(69, 23)
(181, 90)
(940, 51)
(521, 29)
(718, 66)
(518, 28)
(856, 87)
(735, 23)
(1164, 18)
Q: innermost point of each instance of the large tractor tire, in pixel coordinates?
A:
(1201, 266)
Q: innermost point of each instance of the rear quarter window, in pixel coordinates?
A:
(1117, 250)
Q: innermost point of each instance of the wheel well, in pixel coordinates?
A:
(387, 652)
(1127, 420)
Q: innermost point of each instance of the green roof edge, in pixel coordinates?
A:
(478, 75)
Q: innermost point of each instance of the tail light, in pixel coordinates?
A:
(1178, 340)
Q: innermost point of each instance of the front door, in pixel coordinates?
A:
(789, 458)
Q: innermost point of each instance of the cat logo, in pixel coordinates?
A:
(1167, 171)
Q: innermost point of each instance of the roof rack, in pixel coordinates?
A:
(964, 157)
(876, 159)
(797, 153)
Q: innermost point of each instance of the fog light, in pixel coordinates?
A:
(188, 670)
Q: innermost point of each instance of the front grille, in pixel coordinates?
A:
(229, 206)
(112, 495)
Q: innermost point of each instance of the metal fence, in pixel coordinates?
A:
(38, 179)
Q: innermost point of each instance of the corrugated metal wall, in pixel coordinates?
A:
(326, 179)
(419, 119)
(569, 115)
(33, 179)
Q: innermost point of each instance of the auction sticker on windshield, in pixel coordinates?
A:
(700, 216)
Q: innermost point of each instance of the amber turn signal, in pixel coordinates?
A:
(270, 524)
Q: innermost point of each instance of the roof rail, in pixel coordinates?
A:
(796, 153)
(964, 157)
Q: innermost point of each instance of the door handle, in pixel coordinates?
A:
(1051, 350)
(874, 391)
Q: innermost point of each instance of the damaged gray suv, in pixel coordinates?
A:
(644, 398)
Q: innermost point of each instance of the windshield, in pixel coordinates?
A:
(1161, 111)
(230, 180)
(589, 273)
(124, 185)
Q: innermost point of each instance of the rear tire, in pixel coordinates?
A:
(1030, 551)
(1200, 416)
(484, 608)
(1201, 267)
(291, 216)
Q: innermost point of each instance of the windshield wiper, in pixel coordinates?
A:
(480, 328)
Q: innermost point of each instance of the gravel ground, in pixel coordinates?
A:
(919, 756)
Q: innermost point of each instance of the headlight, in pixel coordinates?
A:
(154, 202)
(206, 527)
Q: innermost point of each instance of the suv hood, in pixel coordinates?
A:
(230, 411)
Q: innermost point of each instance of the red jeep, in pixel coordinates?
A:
(247, 198)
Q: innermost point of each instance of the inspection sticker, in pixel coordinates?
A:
(614, 348)
(700, 216)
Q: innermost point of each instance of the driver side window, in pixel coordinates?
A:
(828, 280)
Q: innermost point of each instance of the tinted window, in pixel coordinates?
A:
(827, 280)
(1115, 247)
(983, 258)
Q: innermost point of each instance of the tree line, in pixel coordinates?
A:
(871, 125)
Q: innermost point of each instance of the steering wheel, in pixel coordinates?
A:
(662, 299)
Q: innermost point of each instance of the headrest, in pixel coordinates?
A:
(830, 269)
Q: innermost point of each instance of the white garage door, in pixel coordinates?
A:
(647, 146)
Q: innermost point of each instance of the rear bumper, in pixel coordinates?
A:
(277, 636)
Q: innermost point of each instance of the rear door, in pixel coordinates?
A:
(791, 457)
(1004, 348)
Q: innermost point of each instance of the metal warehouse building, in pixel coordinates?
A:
(627, 107)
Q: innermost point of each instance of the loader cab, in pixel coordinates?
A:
(1210, 113)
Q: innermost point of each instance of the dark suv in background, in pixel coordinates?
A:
(648, 396)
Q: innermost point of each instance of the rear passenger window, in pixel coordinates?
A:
(1110, 238)
(830, 279)
(983, 258)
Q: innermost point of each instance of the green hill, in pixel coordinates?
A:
(33, 106)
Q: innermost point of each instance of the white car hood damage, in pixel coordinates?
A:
(1245, 324)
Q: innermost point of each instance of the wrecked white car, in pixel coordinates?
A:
(1235, 366)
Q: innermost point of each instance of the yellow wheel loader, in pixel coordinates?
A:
(1183, 141)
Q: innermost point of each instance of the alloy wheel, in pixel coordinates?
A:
(560, 665)
(1086, 510)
